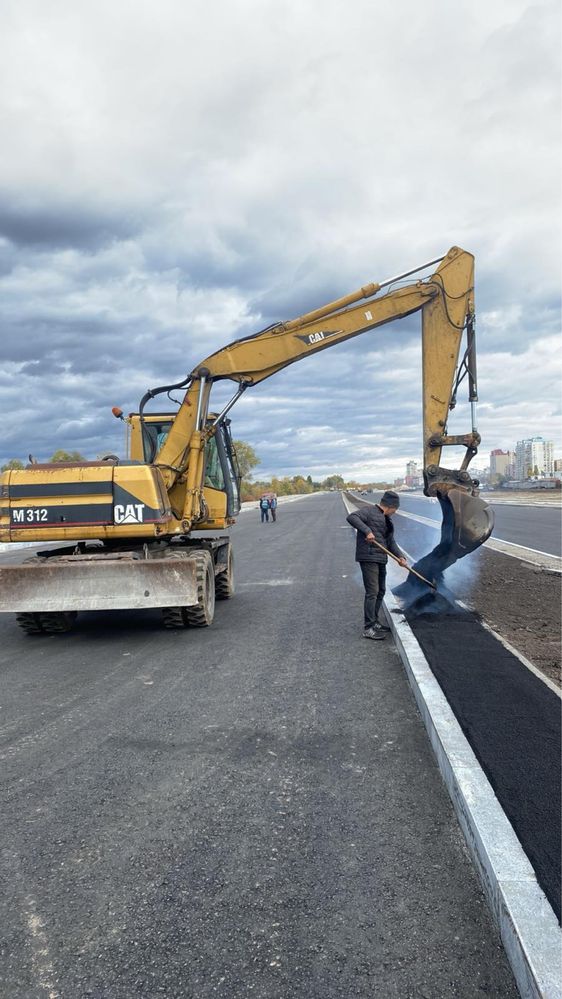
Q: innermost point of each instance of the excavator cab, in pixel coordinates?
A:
(221, 475)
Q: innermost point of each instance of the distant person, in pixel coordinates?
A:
(273, 507)
(264, 508)
(373, 523)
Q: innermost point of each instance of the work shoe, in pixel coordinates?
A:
(375, 634)
(381, 627)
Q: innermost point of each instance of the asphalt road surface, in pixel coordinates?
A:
(538, 527)
(247, 810)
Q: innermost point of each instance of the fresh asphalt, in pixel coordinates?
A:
(538, 527)
(247, 810)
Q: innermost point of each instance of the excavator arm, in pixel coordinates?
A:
(446, 301)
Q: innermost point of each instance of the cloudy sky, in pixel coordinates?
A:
(177, 174)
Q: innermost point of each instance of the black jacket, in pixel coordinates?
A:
(371, 520)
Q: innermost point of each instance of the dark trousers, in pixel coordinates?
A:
(374, 580)
(273, 513)
(264, 515)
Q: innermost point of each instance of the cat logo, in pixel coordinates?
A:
(130, 514)
(312, 338)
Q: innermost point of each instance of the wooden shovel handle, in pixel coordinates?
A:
(396, 559)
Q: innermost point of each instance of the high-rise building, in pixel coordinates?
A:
(502, 463)
(533, 456)
(413, 477)
(499, 463)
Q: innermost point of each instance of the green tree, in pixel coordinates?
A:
(301, 485)
(333, 482)
(247, 458)
(62, 455)
(14, 464)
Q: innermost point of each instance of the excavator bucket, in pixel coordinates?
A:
(467, 523)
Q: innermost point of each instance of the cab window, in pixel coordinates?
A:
(213, 471)
(154, 436)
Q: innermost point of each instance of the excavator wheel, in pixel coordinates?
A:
(224, 581)
(50, 623)
(56, 623)
(201, 614)
(175, 617)
(30, 623)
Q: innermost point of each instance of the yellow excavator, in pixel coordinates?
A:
(150, 530)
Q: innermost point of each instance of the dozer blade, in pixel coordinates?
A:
(467, 523)
(111, 584)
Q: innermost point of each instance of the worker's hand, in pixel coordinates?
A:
(403, 562)
(370, 536)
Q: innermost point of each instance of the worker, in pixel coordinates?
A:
(273, 507)
(374, 524)
(264, 507)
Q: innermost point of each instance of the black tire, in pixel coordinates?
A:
(224, 581)
(201, 614)
(57, 622)
(174, 617)
(30, 623)
(44, 622)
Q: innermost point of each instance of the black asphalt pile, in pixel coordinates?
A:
(512, 721)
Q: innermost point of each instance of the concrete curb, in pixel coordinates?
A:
(528, 926)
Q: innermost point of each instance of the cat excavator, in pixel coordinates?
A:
(150, 530)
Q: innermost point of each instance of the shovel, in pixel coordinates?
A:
(396, 559)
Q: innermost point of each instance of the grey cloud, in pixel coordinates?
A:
(40, 223)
